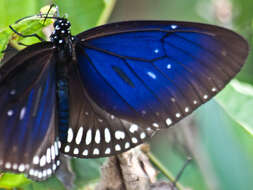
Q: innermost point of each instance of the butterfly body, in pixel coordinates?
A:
(63, 41)
(108, 89)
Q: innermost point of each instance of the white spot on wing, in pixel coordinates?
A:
(143, 135)
(36, 160)
(88, 137)
(156, 50)
(97, 136)
(15, 166)
(168, 121)
(173, 26)
(10, 112)
(117, 147)
(49, 171)
(85, 152)
(59, 144)
(13, 92)
(31, 172)
(107, 151)
(134, 140)
(54, 167)
(70, 135)
(79, 135)
(40, 175)
(67, 148)
(107, 135)
(56, 148)
(21, 168)
(52, 152)
(214, 89)
(133, 128)
(76, 151)
(96, 151)
(127, 145)
(43, 161)
(151, 74)
(48, 155)
(8, 165)
(155, 125)
(120, 135)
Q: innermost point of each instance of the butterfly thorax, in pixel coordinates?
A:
(62, 39)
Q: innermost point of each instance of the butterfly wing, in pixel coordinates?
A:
(148, 74)
(92, 131)
(27, 113)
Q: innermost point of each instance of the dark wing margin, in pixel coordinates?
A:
(154, 73)
(28, 135)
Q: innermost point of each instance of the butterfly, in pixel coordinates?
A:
(106, 90)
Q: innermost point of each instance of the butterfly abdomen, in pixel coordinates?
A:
(63, 107)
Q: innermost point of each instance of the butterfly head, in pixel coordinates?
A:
(61, 33)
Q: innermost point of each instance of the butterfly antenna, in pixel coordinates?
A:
(26, 17)
(189, 159)
(26, 36)
(50, 8)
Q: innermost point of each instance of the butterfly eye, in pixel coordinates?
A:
(57, 27)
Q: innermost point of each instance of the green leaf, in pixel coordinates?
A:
(237, 100)
(87, 171)
(5, 36)
(9, 180)
(85, 14)
(13, 10)
(244, 8)
(228, 148)
(170, 155)
(51, 184)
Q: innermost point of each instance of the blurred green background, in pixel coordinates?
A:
(218, 135)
